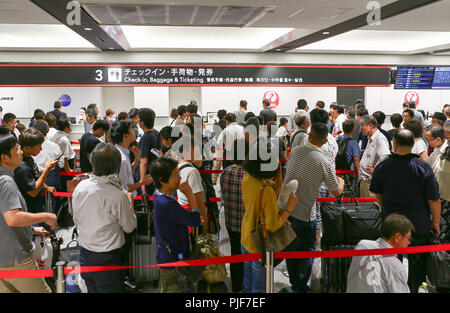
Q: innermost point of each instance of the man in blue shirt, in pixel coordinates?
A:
(405, 184)
(348, 148)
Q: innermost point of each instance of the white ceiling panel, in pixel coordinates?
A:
(32, 36)
(204, 38)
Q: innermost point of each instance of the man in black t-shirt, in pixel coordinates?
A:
(149, 141)
(89, 141)
(27, 176)
(267, 113)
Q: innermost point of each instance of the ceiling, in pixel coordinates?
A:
(212, 25)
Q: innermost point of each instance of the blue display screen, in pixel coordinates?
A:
(441, 78)
(414, 77)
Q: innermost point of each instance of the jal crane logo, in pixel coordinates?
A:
(412, 96)
(273, 97)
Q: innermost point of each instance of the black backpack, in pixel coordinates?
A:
(341, 159)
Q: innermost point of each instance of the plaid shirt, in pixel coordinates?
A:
(231, 187)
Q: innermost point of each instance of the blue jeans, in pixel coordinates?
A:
(300, 269)
(254, 276)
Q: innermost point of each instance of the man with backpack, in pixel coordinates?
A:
(348, 155)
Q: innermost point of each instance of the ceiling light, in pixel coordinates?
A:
(430, 52)
(87, 28)
(111, 48)
(326, 33)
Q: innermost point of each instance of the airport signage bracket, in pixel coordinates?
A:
(168, 74)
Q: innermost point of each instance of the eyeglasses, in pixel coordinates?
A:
(12, 123)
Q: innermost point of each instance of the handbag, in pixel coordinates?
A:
(277, 240)
(348, 223)
(214, 273)
(70, 253)
(188, 276)
(437, 266)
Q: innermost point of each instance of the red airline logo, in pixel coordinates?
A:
(412, 96)
(273, 97)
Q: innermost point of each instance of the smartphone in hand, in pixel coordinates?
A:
(156, 153)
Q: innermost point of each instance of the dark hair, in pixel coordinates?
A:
(105, 159)
(166, 134)
(396, 120)
(248, 115)
(8, 117)
(396, 223)
(118, 130)
(359, 101)
(283, 121)
(253, 162)
(133, 113)
(91, 106)
(6, 144)
(83, 108)
(221, 114)
(4, 130)
(161, 169)
(101, 124)
(91, 113)
(57, 104)
(348, 126)
(38, 114)
(320, 104)
(181, 110)
(412, 105)
(362, 112)
(404, 137)
(20, 127)
(122, 116)
(174, 113)
(351, 111)
(192, 108)
(230, 117)
(436, 131)
(266, 102)
(243, 104)
(319, 132)
(319, 116)
(50, 119)
(108, 113)
(42, 126)
(193, 117)
(62, 123)
(253, 121)
(334, 106)
(302, 104)
(409, 112)
(236, 150)
(341, 109)
(440, 117)
(147, 116)
(405, 104)
(415, 127)
(31, 137)
(380, 117)
(368, 120)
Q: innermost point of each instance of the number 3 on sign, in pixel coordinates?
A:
(98, 75)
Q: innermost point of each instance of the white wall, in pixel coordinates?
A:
(27, 99)
(183, 96)
(390, 100)
(118, 99)
(155, 98)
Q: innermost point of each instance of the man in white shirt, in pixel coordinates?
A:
(189, 173)
(122, 135)
(226, 138)
(337, 113)
(435, 136)
(382, 273)
(62, 140)
(50, 150)
(302, 107)
(102, 212)
(376, 151)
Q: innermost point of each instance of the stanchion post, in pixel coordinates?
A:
(269, 271)
(60, 281)
(48, 202)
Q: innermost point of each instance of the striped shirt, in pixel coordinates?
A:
(310, 167)
(230, 185)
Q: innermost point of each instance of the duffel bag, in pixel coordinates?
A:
(332, 223)
(437, 266)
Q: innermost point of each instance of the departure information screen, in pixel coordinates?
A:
(441, 78)
(414, 78)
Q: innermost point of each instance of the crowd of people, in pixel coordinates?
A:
(406, 168)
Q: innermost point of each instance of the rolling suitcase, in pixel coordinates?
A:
(143, 248)
(335, 270)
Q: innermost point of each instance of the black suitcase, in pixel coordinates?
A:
(145, 228)
(335, 270)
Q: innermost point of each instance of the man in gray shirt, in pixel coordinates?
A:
(382, 273)
(417, 115)
(302, 107)
(240, 115)
(16, 223)
(310, 167)
(300, 136)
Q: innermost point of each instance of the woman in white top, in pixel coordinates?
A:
(420, 147)
(283, 130)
